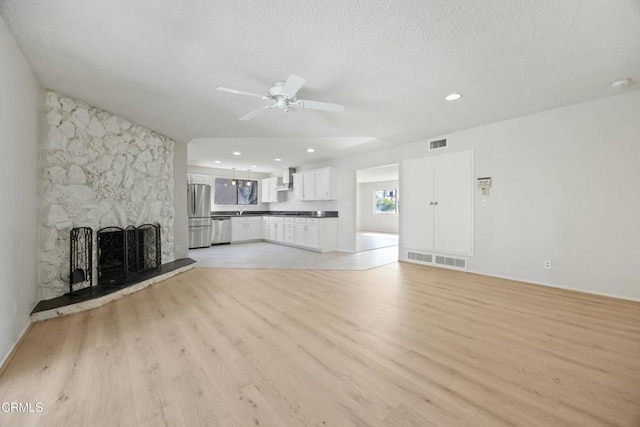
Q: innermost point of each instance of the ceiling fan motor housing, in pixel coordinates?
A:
(277, 90)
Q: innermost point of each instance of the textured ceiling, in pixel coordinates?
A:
(391, 63)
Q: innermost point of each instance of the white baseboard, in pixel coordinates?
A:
(553, 285)
(7, 356)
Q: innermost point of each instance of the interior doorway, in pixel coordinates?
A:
(377, 207)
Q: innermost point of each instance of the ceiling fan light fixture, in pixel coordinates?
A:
(453, 96)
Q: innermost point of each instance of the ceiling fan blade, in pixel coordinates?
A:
(324, 106)
(293, 85)
(239, 92)
(296, 118)
(257, 112)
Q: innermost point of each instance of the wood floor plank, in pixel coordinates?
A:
(399, 345)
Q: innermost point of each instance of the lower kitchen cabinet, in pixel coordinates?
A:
(245, 229)
(276, 229)
(319, 234)
(316, 234)
(289, 231)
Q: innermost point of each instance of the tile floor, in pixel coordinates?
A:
(272, 256)
(367, 240)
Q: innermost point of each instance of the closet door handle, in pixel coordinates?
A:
(431, 204)
(435, 203)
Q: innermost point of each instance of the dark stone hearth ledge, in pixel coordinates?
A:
(96, 292)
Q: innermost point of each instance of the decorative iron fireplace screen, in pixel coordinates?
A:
(149, 255)
(112, 256)
(80, 259)
(123, 253)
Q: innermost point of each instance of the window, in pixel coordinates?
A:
(244, 192)
(385, 201)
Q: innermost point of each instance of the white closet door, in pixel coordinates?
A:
(453, 191)
(415, 197)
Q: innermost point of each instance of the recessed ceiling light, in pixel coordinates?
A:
(253, 166)
(453, 96)
(217, 161)
(310, 150)
(237, 153)
(278, 160)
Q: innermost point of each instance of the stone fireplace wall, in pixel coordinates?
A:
(97, 170)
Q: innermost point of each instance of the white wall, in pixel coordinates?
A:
(18, 189)
(367, 218)
(224, 173)
(180, 227)
(565, 188)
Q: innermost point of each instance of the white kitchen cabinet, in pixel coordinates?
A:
(269, 192)
(289, 231)
(326, 184)
(199, 178)
(246, 229)
(298, 186)
(316, 233)
(276, 229)
(436, 207)
(309, 186)
(319, 184)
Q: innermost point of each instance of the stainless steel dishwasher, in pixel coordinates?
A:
(221, 231)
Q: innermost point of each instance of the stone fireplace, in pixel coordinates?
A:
(97, 170)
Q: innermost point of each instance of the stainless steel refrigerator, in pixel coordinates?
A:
(199, 213)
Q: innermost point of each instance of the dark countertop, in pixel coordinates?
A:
(301, 214)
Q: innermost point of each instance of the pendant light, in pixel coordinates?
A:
(233, 180)
(248, 179)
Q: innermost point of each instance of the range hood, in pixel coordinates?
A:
(287, 179)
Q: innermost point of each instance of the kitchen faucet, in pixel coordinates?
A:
(240, 211)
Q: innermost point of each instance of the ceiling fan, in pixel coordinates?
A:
(283, 96)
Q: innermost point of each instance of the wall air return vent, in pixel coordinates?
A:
(417, 256)
(451, 262)
(440, 143)
(438, 260)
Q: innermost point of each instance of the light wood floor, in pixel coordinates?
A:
(401, 345)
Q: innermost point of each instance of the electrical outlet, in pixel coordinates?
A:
(177, 247)
(485, 203)
(547, 265)
(15, 309)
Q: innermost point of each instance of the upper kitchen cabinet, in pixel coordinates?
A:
(269, 192)
(319, 184)
(199, 178)
(437, 203)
